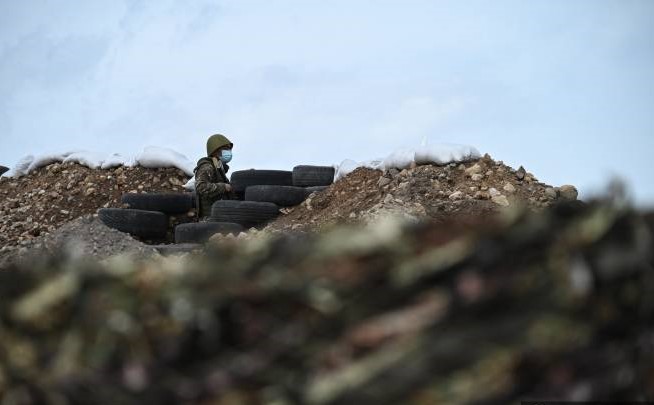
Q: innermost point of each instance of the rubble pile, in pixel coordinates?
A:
(45, 199)
(436, 192)
(555, 304)
(85, 236)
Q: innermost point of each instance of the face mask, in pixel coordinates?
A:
(226, 156)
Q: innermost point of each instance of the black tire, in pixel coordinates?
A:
(168, 203)
(149, 225)
(246, 213)
(200, 232)
(285, 196)
(3, 170)
(309, 176)
(243, 179)
(314, 189)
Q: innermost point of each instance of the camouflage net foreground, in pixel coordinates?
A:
(552, 305)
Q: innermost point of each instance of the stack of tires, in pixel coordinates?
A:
(261, 194)
(148, 215)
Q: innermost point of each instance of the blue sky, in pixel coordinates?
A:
(565, 88)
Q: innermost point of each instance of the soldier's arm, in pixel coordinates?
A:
(204, 185)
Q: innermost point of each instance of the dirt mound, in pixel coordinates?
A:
(82, 237)
(44, 200)
(427, 191)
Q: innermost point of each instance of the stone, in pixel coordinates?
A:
(482, 195)
(477, 177)
(493, 192)
(383, 181)
(175, 181)
(457, 195)
(551, 193)
(568, 192)
(520, 173)
(89, 191)
(500, 200)
(474, 169)
(509, 188)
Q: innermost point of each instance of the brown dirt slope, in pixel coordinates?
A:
(51, 196)
(427, 191)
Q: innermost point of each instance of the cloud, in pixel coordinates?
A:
(295, 82)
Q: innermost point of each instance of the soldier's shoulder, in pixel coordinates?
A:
(204, 164)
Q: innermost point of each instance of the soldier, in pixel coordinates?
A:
(211, 182)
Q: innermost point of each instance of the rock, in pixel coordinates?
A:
(568, 192)
(457, 195)
(520, 173)
(89, 191)
(383, 181)
(477, 177)
(509, 188)
(175, 181)
(551, 193)
(493, 192)
(500, 200)
(482, 195)
(393, 172)
(474, 169)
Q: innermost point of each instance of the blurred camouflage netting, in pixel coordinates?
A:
(552, 305)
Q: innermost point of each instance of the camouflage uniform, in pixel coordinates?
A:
(210, 181)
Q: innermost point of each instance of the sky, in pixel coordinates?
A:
(563, 87)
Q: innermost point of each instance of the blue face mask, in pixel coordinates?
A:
(226, 156)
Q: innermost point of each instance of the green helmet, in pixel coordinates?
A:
(217, 141)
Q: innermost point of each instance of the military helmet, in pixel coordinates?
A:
(217, 141)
